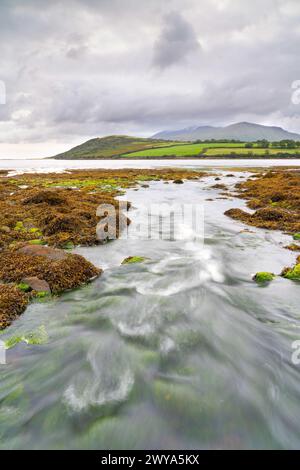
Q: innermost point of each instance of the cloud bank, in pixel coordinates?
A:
(78, 69)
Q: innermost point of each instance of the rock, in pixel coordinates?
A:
(145, 186)
(269, 213)
(178, 182)
(61, 272)
(69, 246)
(48, 197)
(292, 273)
(255, 203)
(13, 302)
(39, 285)
(293, 247)
(24, 287)
(37, 242)
(238, 214)
(296, 236)
(53, 254)
(133, 259)
(63, 223)
(263, 277)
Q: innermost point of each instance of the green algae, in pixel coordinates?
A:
(263, 277)
(37, 241)
(292, 273)
(134, 259)
(19, 227)
(36, 337)
(68, 246)
(24, 287)
(42, 295)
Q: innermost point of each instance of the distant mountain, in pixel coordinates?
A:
(109, 147)
(244, 131)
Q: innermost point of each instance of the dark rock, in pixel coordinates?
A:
(53, 254)
(48, 197)
(39, 285)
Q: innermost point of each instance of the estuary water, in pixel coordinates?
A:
(183, 351)
(47, 165)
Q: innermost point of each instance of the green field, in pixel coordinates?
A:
(181, 150)
(110, 147)
(251, 152)
(208, 149)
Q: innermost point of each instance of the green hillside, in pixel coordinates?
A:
(110, 147)
(133, 147)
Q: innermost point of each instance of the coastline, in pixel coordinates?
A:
(52, 214)
(197, 158)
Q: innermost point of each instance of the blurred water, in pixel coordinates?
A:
(182, 351)
(46, 165)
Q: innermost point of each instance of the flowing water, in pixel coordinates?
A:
(181, 351)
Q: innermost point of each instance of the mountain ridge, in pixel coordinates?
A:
(244, 131)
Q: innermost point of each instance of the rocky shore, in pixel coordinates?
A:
(44, 216)
(274, 198)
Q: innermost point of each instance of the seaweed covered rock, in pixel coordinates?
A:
(238, 214)
(263, 277)
(52, 254)
(48, 197)
(61, 273)
(178, 181)
(270, 218)
(36, 284)
(271, 214)
(134, 259)
(255, 203)
(276, 196)
(61, 208)
(64, 223)
(13, 302)
(293, 247)
(292, 273)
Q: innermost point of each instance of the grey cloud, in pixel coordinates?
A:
(176, 41)
(76, 69)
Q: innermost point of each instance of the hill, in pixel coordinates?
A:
(243, 131)
(110, 147)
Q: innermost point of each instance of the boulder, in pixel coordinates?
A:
(178, 182)
(39, 285)
(13, 302)
(53, 254)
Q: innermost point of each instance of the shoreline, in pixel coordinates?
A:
(44, 216)
(225, 157)
(53, 213)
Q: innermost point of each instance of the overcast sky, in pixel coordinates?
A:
(76, 69)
